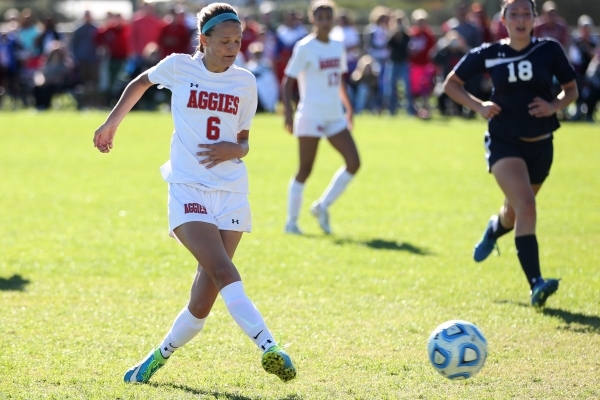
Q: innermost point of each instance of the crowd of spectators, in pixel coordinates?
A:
(396, 62)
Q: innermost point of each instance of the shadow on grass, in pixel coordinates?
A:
(15, 283)
(387, 245)
(216, 395)
(576, 322)
(516, 303)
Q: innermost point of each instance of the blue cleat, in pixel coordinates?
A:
(487, 243)
(542, 290)
(142, 372)
(276, 361)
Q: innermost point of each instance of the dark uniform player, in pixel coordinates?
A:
(522, 119)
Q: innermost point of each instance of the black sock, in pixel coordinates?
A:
(500, 230)
(529, 256)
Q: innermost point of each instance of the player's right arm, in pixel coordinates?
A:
(454, 88)
(470, 65)
(288, 93)
(296, 64)
(104, 135)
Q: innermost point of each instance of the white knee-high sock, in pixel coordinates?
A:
(295, 191)
(337, 185)
(185, 328)
(247, 316)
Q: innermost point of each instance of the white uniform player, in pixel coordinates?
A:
(319, 68)
(318, 65)
(207, 108)
(212, 105)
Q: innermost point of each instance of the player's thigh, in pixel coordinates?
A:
(345, 145)
(513, 178)
(231, 240)
(204, 241)
(307, 151)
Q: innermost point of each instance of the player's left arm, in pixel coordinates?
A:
(563, 70)
(223, 151)
(347, 104)
(540, 108)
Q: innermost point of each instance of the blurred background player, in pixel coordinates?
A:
(318, 65)
(522, 119)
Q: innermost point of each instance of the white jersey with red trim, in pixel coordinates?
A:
(207, 108)
(319, 67)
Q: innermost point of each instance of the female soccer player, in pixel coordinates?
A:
(213, 103)
(522, 119)
(318, 64)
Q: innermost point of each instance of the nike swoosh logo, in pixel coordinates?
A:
(258, 334)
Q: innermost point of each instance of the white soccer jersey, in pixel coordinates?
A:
(318, 66)
(207, 108)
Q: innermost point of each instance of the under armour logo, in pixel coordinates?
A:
(268, 343)
(235, 221)
(193, 85)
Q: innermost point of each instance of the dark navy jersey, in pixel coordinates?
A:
(518, 77)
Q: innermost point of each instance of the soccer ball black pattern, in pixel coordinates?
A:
(457, 349)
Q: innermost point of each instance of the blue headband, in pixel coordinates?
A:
(219, 18)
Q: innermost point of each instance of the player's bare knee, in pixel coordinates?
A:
(225, 275)
(527, 210)
(303, 173)
(353, 166)
(507, 216)
(199, 308)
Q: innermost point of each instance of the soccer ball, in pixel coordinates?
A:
(457, 349)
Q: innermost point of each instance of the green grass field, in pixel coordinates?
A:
(90, 281)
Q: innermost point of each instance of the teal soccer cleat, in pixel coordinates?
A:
(487, 243)
(276, 361)
(142, 372)
(542, 290)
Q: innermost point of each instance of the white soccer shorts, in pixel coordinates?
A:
(229, 211)
(314, 127)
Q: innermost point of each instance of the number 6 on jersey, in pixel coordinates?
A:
(213, 132)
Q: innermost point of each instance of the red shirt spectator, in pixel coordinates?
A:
(249, 35)
(420, 45)
(115, 38)
(145, 28)
(497, 28)
(551, 25)
(175, 37)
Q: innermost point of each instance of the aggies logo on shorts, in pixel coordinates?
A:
(194, 208)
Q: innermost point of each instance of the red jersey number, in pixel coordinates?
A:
(213, 132)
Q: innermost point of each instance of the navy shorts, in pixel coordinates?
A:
(537, 155)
